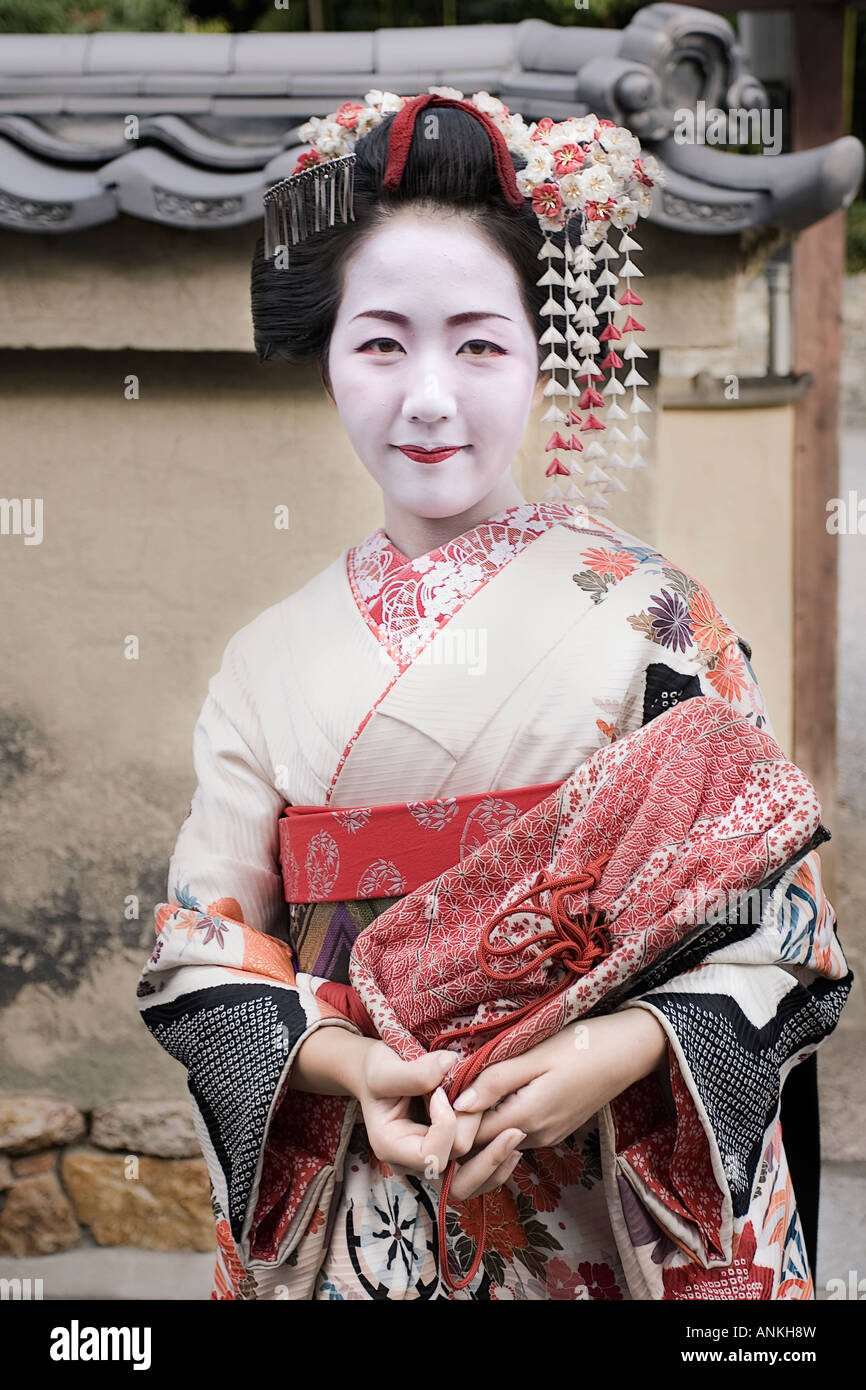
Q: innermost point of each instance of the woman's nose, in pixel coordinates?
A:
(429, 399)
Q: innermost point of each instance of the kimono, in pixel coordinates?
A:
(453, 691)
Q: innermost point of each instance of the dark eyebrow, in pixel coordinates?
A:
(390, 316)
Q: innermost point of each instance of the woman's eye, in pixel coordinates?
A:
(477, 348)
(389, 347)
(384, 346)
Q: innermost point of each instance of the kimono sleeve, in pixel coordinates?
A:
(228, 845)
(740, 1021)
(737, 1024)
(221, 995)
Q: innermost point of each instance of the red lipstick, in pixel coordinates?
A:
(428, 455)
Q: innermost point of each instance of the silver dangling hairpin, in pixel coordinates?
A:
(309, 201)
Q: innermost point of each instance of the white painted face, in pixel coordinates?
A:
(432, 346)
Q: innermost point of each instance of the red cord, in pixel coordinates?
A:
(578, 943)
(400, 138)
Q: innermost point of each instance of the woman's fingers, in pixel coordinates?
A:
(390, 1076)
(495, 1082)
(428, 1150)
(466, 1134)
(502, 1174)
(439, 1139)
(473, 1176)
(402, 1142)
(510, 1112)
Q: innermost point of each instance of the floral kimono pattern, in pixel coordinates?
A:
(670, 1192)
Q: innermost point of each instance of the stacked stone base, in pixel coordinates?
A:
(126, 1174)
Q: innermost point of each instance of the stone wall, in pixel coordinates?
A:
(127, 1174)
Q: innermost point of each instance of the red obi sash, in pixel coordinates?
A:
(342, 854)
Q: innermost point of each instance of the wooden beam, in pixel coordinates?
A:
(818, 277)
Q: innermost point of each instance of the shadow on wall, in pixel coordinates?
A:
(85, 861)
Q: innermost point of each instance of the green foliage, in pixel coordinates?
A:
(239, 16)
(81, 17)
(33, 17)
(293, 20)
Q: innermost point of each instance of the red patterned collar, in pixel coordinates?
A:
(405, 601)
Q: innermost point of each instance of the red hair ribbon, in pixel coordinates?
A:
(400, 138)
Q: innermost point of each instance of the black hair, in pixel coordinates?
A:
(294, 308)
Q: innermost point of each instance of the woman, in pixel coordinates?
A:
(446, 673)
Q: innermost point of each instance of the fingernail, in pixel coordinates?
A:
(521, 1135)
(466, 1100)
(440, 1091)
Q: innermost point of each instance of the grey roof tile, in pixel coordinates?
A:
(462, 45)
(190, 143)
(543, 47)
(558, 85)
(37, 197)
(30, 135)
(151, 184)
(294, 110)
(170, 84)
(72, 84)
(219, 115)
(469, 79)
(136, 104)
(356, 84)
(119, 53)
(36, 104)
(307, 53)
(253, 84)
(34, 54)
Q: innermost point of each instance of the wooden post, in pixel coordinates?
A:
(818, 276)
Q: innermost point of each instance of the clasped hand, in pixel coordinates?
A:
(532, 1101)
